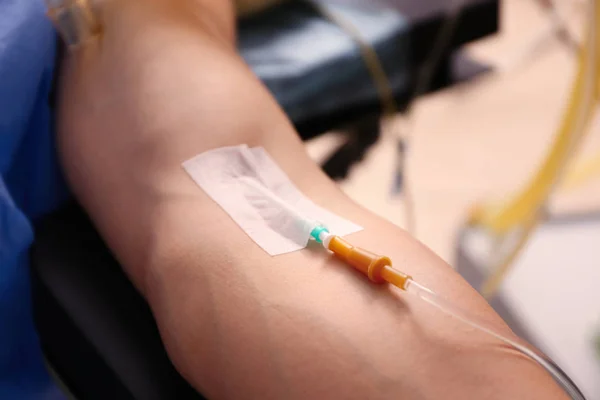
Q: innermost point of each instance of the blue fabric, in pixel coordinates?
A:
(30, 185)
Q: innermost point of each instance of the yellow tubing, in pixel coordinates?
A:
(579, 110)
(369, 56)
(525, 208)
(492, 284)
(581, 172)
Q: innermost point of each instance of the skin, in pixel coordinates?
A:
(164, 83)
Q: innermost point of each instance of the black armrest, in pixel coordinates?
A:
(96, 331)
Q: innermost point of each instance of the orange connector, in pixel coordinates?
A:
(377, 268)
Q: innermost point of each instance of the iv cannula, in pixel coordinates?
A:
(379, 269)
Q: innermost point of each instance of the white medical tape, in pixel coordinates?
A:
(261, 199)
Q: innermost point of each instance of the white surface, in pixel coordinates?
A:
(261, 199)
(554, 292)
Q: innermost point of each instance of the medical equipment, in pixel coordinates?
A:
(581, 172)
(369, 55)
(379, 269)
(518, 218)
(262, 200)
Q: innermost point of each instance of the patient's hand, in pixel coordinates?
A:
(163, 84)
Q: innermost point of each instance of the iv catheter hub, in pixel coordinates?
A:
(378, 268)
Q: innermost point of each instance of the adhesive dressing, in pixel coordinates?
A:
(261, 199)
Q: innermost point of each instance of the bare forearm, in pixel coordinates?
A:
(237, 322)
(303, 325)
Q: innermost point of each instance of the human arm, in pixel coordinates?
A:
(163, 84)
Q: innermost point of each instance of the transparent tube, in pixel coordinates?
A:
(520, 345)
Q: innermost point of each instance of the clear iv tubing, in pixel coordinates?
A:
(443, 305)
(379, 269)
